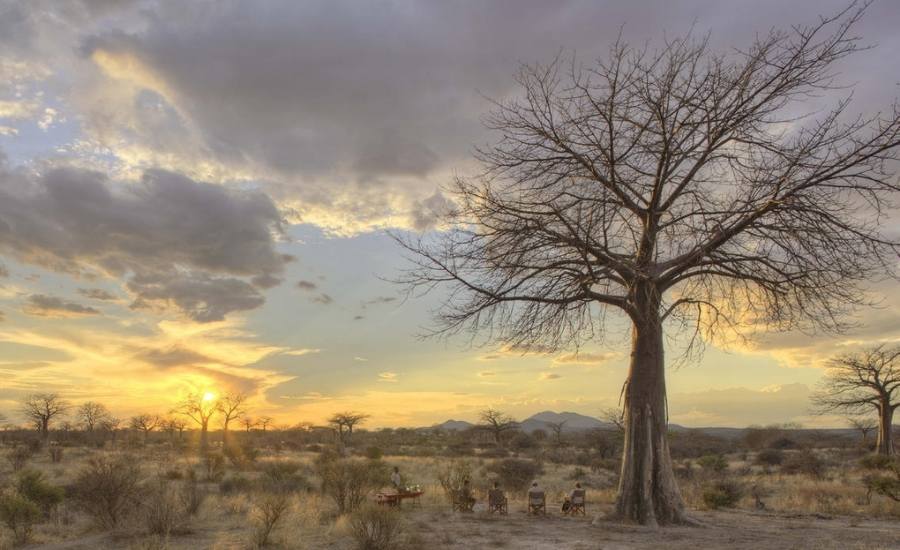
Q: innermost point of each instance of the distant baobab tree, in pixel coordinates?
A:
(866, 381)
(497, 423)
(145, 423)
(92, 415)
(232, 406)
(199, 408)
(42, 408)
(557, 429)
(864, 426)
(248, 422)
(347, 420)
(264, 422)
(677, 186)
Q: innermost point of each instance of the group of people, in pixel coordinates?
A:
(466, 495)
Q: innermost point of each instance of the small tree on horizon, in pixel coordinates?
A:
(198, 408)
(42, 408)
(145, 423)
(864, 381)
(232, 406)
(497, 423)
(679, 187)
(92, 414)
(347, 420)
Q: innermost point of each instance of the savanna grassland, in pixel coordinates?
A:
(769, 488)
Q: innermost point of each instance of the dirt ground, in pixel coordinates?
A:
(444, 530)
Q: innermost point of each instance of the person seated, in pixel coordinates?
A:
(537, 503)
(497, 500)
(464, 499)
(574, 503)
(397, 480)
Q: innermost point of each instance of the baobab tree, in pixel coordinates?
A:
(348, 420)
(145, 423)
(92, 415)
(231, 406)
(497, 423)
(676, 187)
(865, 381)
(248, 422)
(199, 407)
(264, 422)
(557, 429)
(42, 408)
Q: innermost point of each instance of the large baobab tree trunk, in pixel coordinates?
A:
(647, 491)
(885, 444)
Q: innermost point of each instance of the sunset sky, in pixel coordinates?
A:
(194, 197)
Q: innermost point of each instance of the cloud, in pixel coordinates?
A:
(486, 374)
(307, 285)
(42, 305)
(360, 359)
(97, 294)
(301, 352)
(516, 350)
(174, 356)
(585, 358)
(378, 300)
(549, 376)
(741, 406)
(4, 272)
(387, 376)
(177, 243)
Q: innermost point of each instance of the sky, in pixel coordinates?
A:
(196, 197)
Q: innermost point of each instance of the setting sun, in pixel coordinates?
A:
(209, 396)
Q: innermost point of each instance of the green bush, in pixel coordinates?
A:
(878, 462)
(376, 528)
(32, 485)
(804, 462)
(284, 476)
(722, 494)
(18, 457)
(769, 457)
(20, 515)
(713, 463)
(516, 474)
(374, 453)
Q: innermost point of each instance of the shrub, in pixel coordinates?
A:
(164, 511)
(877, 462)
(284, 476)
(18, 457)
(722, 494)
(56, 454)
(516, 474)
(108, 488)
(375, 528)
(347, 480)
(214, 463)
(452, 475)
(237, 484)
(173, 474)
(192, 494)
(804, 462)
(713, 463)
(374, 453)
(769, 457)
(19, 514)
(32, 485)
(577, 474)
(268, 509)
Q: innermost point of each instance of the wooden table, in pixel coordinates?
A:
(395, 499)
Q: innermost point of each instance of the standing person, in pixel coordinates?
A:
(397, 480)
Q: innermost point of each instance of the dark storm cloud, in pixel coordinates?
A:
(42, 305)
(177, 242)
(381, 89)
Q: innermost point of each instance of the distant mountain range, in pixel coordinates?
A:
(574, 422)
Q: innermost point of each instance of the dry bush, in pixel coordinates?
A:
(515, 474)
(268, 510)
(714, 464)
(723, 493)
(769, 457)
(804, 462)
(348, 480)
(214, 464)
(108, 488)
(164, 511)
(18, 457)
(56, 454)
(376, 528)
(452, 475)
(20, 515)
(284, 475)
(192, 494)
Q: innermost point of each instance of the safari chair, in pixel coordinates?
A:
(463, 502)
(497, 501)
(576, 504)
(537, 503)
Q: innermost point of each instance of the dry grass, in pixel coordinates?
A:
(796, 508)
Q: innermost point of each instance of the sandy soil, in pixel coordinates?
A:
(443, 530)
